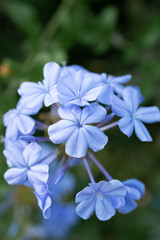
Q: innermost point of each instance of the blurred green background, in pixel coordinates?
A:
(117, 37)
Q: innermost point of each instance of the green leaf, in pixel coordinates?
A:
(25, 17)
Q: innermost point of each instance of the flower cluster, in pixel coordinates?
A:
(80, 106)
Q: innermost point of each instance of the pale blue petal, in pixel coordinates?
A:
(9, 116)
(135, 188)
(122, 79)
(126, 125)
(76, 145)
(95, 137)
(26, 110)
(51, 72)
(60, 132)
(129, 206)
(71, 112)
(131, 98)
(31, 89)
(84, 194)
(113, 188)
(12, 130)
(118, 88)
(66, 88)
(117, 202)
(93, 113)
(141, 131)
(119, 107)
(25, 124)
(44, 199)
(93, 93)
(51, 96)
(106, 95)
(148, 114)
(90, 81)
(38, 173)
(104, 209)
(15, 176)
(32, 154)
(34, 102)
(78, 81)
(86, 208)
(14, 155)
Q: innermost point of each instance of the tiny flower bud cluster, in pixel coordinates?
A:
(80, 106)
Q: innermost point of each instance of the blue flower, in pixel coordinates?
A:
(34, 94)
(132, 116)
(112, 85)
(18, 122)
(79, 87)
(96, 198)
(75, 131)
(135, 190)
(26, 167)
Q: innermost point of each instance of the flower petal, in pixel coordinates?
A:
(113, 188)
(31, 89)
(60, 132)
(76, 145)
(32, 154)
(122, 79)
(95, 137)
(86, 208)
(129, 206)
(141, 131)
(84, 194)
(119, 107)
(25, 124)
(135, 188)
(38, 173)
(71, 112)
(148, 114)
(12, 130)
(93, 113)
(106, 94)
(51, 72)
(9, 116)
(14, 155)
(104, 209)
(131, 97)
(16, 175)
(126, 125)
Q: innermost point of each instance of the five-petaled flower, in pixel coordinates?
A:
(132, 116)
(75, 130)
(34, 94)
(26, 166)
(96, 198)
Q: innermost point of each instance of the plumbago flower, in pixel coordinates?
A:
(75, 123)
(79, 87)
(112, 85)
(34, 94)
(75, 131)
(18, 121)
(97, 197)
(26, 168)
(132, 116)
